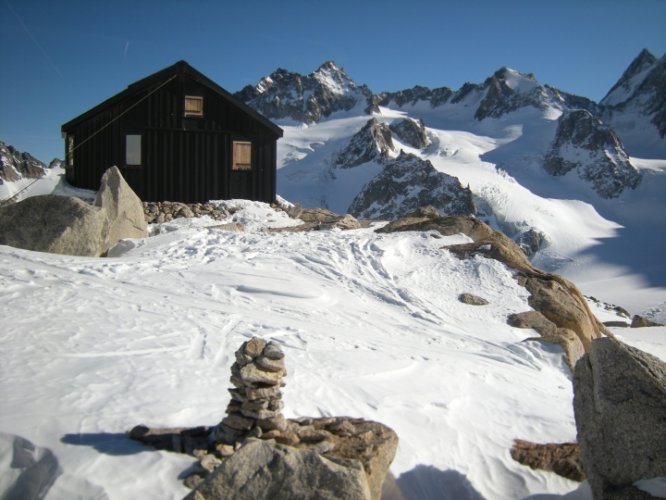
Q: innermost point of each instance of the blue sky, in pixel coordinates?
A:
(61, 57)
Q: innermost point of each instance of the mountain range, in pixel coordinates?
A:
(580, 181)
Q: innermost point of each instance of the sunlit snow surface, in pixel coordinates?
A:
(612, 249)
(370, 324)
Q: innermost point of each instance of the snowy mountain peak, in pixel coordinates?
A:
(307, 98)
(631, 79)
(334, 78)
(15, 165)
(515, 80)
(509, 90)
(636, 106)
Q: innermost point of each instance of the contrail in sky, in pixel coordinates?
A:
(34, 40)
(126, 49)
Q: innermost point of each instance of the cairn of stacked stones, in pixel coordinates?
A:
(256, 397)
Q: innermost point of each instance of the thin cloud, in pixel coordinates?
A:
(35, 41)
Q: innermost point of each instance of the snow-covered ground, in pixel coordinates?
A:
(370, 324)
(611, 248)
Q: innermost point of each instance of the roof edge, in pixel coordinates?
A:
(181, 67)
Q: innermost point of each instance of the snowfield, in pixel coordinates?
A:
(611, 248)
(370, 324)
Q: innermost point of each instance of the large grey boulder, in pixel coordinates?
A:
(27, 471)
(620, 409)
(268, 470)
(69, 226)
(123, 207)
(55, 224)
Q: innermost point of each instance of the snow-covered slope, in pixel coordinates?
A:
(538, 162)
(370, 324)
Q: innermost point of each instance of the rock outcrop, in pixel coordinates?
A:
(55, 224)
(267, 470)
(620, 410)
(407, 183)
(641, 322)
(123, 208)
(315, 219)
(408, 97)
(582, 142)
(410, 132)
(557, 300)
(472, 300)
(372, 143)
(32, 470)
(561, 458)
(256, 444)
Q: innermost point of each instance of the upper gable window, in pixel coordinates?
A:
(193, 105)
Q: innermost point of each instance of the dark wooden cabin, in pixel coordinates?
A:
(176, 136)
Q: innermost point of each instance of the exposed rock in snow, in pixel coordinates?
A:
(307, 98)
(15, 165)
(372, 142)
(508, 90)
(30, 471)
(620, 409)
(594, 150)
(631, 79)
(267, 470)
(411, 132)
(561, 458)
(407, 183)
(417, 93)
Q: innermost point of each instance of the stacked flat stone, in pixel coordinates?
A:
(256, 398)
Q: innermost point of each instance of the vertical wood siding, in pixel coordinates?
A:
(185, 159)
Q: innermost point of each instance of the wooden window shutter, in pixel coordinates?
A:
(193, 105)
(242, 155)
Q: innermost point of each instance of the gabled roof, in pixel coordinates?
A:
(180, 68)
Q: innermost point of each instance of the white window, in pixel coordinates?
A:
(242, 156)
(70, 150)
(132, 150)
(193, 105)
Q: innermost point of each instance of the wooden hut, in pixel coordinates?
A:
(176, 136)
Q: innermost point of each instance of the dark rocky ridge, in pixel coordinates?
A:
(15, 165)
(372, 142)
(410, 132)
(584, 143)
(417, 93)
(641, 88)
(406, 184)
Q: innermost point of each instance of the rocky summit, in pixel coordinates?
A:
(307, 98)
(16, 165)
